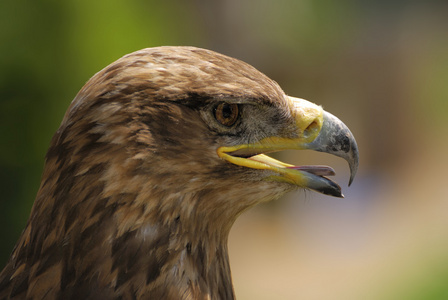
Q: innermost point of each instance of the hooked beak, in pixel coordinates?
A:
(315, 129)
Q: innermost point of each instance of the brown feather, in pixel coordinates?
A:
(134, 202)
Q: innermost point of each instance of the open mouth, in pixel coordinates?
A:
(312, 176)
(307, 176)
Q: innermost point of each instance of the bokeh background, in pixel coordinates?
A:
(380, 66)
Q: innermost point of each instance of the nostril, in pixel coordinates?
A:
(311, 129)
(312, 126)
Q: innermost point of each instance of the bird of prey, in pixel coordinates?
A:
(155, 158)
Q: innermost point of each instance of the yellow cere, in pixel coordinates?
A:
(309, 118)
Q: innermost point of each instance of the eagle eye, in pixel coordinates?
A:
(226, 113)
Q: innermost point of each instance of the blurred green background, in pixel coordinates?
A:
(380, 66)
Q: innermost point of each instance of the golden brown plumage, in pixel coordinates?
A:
(154, 160)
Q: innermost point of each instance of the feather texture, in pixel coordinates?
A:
(134, 202)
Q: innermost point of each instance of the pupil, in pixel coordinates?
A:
(226, 111)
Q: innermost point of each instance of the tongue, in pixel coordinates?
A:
(316, 170)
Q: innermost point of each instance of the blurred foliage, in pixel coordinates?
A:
(379, 65)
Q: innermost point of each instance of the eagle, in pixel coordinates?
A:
(155, 158)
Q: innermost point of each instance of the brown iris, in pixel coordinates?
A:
(227, 113)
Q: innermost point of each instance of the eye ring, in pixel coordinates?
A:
(226, 113)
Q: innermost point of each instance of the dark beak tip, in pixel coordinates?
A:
(353, 161)
(337, 194)
(352, 174)
(350, 181)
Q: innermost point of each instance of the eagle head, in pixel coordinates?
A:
(155, 158)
